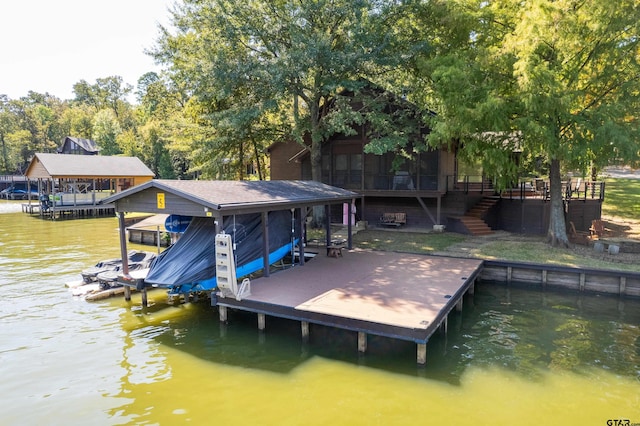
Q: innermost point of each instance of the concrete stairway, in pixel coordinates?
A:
(473, 219)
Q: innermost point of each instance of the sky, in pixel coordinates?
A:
(49, 45)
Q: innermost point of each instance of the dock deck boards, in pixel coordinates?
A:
(400, 295)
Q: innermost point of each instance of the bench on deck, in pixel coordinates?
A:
(393, 219)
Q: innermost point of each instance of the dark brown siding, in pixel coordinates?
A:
(281, 167)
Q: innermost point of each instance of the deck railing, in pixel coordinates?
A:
(571, 191)
(537, 188)
(470, 183)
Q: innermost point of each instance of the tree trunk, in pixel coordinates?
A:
(557, 235)
(316, 160)
(241, 166)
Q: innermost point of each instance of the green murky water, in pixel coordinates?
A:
(514, 356)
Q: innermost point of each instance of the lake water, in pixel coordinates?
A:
(514, 355)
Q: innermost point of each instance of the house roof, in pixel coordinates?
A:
(47, 166)
(198, 197)
(86, 144)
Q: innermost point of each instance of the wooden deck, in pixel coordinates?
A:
(398, 295)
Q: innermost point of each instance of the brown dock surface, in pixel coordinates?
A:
(399, 295)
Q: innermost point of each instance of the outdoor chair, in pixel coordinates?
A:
(597, 228)
(578, 237)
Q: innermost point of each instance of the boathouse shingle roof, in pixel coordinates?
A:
(227, 197)
(46, 166)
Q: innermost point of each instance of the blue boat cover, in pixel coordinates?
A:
(192, 258)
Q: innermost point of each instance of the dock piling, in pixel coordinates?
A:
(422, 353)
(222, 311)
(304, 325)
(261, 322)
(362, 342)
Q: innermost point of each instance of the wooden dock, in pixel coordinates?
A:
(69, 211)
(149, 231)
(398, 295)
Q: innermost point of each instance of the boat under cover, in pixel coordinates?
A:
(189, 264)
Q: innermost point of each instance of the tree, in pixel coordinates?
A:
(264, 66)
(161, 126)
(107, 92)
(105, 132)
(7, 125)
(563, 75)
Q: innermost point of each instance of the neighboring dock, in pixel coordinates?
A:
(397, 295)
(150, 231)
(68, 211)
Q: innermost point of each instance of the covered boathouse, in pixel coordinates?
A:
(401, 296)
(74, 185)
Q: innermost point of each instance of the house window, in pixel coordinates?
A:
(347, 170)
(429, 170)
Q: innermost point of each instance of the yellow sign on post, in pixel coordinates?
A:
(160, 196)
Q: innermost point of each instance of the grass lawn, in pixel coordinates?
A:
(622, 198)
(407, 241)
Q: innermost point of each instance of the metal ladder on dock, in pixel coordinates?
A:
(226, 270)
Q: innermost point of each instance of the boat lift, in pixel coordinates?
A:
(226, 270)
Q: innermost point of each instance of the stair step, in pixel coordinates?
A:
(475, 225)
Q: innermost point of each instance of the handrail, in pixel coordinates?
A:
(539, 188)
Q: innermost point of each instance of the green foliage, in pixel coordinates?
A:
(561, 75)
(106, 130)
(270, 69)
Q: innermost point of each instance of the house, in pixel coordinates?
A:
(413, 182)
(78, 146)
(430, 188)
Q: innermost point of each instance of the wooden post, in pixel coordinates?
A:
(444, 325)
(222, 310)
(303, 216)
(261, 322)
(422, 353)
(304, 325)
(265, 244)
(123, 254)
(509, 273)
(350, 225)
(459, 304)
(327, 225)
(144, 298)
(544, 278)
(623, 285)
(362, 342)
(472, 288)
(582, 281)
